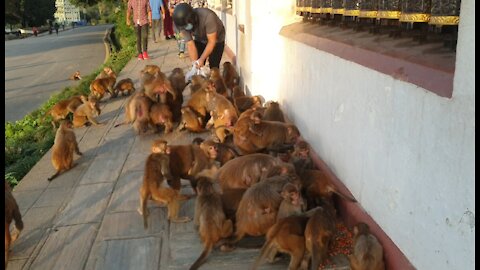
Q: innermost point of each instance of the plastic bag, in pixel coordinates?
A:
(203, 71)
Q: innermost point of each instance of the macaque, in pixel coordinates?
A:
(157, 87)
(319, 235)
(273, 112)
(292, 203)
(150, 69)
(286, 236)
(245, 171)
(198, 103)
(237, 92)
(225, 152)
(244, 103)
(160, 114)
(64, 146)
(217, 80)
(105, 73)
(61, 110)
(197, 82)
(191, 120)
(367, 251)
(99, 87)
(157, 170)
(12, 213)
(222, 123)
(124, 87)
(86, 113)
(177, 79)
(75, 76)
(137, 112)
(230, 75)
(209, 216)
(301, 157)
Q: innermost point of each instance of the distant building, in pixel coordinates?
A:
(66, 12)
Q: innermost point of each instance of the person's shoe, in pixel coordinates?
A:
(140, 57)
(181, 55)
(167, 37)
(145, 56)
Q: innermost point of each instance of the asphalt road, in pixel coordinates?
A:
(37, 67)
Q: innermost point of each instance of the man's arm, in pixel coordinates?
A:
(192, 50)
(212, 40)
(162, 9)
(128, 15)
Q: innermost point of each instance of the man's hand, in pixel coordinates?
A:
(199, 63)
(150, 22)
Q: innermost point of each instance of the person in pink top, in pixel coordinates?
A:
(142, 18)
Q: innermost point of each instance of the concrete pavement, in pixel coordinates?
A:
(87, 217)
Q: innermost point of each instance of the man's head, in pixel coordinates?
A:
(184, 17)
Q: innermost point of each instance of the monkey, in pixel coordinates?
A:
(316, 185)
(244, 103)
(160, 114)
(274, 136)
(209, 216)
(367, 251)
(177, 79)
(157, 169)
(198, 103)
(64, 146)
(230, 75)
(100, 86)
(75, 76)
(292, 203)
(12, 213)
(186, 161)
(124, 87)
(237, 92)
(197, 82)
(301, 157)
(60, 110)
(217, 79)
(150, 69)
(137, 112)
(273, 112)
(219, 103)
(105, 73)
(191, 120)
(245, 171)
(245, 124)
(252, 126)
(86, 112)
(222, 123)
(287, 236)
(224, 151)
(157, 86)
(231, 198)
(319, 235)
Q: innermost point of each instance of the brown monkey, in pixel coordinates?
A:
(231, 199)
(100, 86)
(224, 151)
(75, 76)
(292, 203)
(60, 110)
(222, 122)
(319, 235)
(217, 79)
(198, 102)
(157, 169)
(137, 112)
(273, 112)
(160, 114)
(124, 87)
(244, 171)
(237, 92)
(244, 103)
(317, 185)
(274, 136)
(230, 75)
(86, 112)
(157, 87)
(105, 73)
(219, 103)
(12, 213)
(64, 146)
(258, 208)
(186, 161)
(209, 216)
(301, 157)
(177, 79)
(367, 251)
(245, 124)
(287, 236)
(197, 82)
(191, 120)
(150, 69)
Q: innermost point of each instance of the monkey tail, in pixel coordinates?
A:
(18, 220)
(343, 196)
(203, 256)
(316, 260)
(53, 176)
(119, 124)
(263, 252)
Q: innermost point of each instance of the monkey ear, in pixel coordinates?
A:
(248, 180)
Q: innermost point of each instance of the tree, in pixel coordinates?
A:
(13, 12)
(37, 12)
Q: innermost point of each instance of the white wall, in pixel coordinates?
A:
(405, 153)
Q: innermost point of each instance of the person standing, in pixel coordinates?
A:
(167, 23)
(157, 8)
(203, 32)
(142, 18)
(56, 28)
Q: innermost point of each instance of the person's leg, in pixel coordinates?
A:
(154, 26)
(144, 33)
(139, 38)
(216, 55)
(160, 27)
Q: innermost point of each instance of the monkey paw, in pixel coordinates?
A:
(226, 248)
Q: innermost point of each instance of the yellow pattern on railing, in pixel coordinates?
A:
(388, 14)
(444, 20)
(414, 17)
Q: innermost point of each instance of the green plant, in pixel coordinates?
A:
(27, 140)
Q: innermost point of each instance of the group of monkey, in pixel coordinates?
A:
(272, 188)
